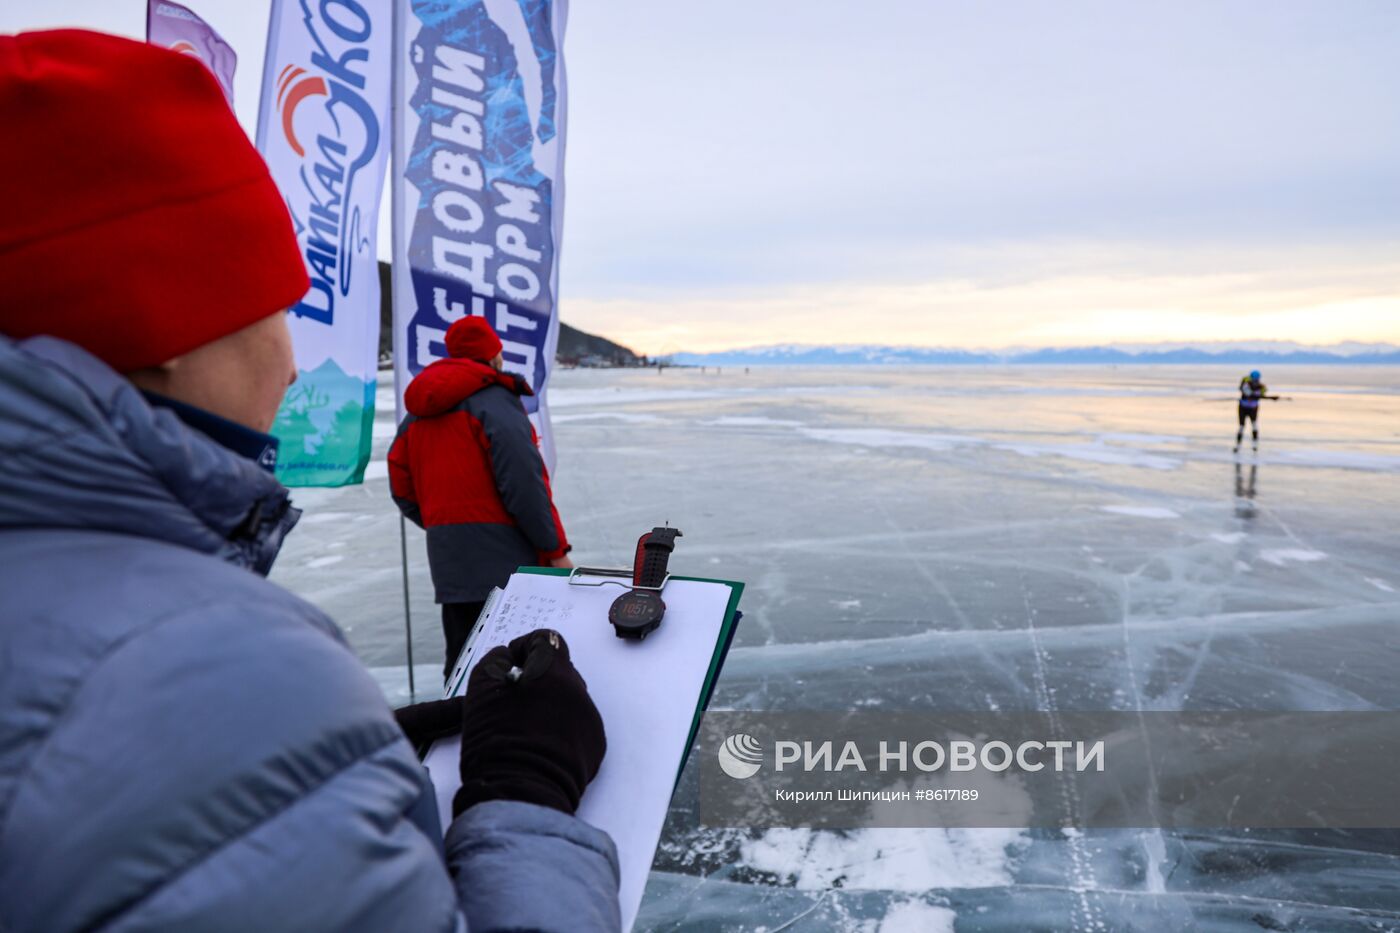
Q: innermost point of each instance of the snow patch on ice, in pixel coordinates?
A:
(1141, 511)
(1342, 459)
(324, 561)
(377, 469)
(1107, 449)
(1280, 556)
(917, 917)
(310, 498)
(886, 859)
(846, 603)
(317, 518)
(1232, 537)
(592, 398)
(1142, 438)
(883, 437)
(383, 430)
(752, 421)
(625, 417)
(1380, 585)
(1095, 453)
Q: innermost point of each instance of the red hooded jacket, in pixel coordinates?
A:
(466, 466)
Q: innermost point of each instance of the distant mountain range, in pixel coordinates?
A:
(578, 346)
(1239, 354)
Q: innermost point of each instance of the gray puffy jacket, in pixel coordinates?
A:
(185, 746)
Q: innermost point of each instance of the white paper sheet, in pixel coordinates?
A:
(647, 693)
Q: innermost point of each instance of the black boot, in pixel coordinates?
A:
(457, 622)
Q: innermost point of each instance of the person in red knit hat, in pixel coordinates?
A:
(184, 745)
(466, 466)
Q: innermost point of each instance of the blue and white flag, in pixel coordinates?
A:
(323, 128)
(479, 182)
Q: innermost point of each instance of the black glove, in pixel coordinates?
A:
(425, 723)
(530, 732)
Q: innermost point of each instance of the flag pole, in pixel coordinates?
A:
(407, 617)
(396, 39)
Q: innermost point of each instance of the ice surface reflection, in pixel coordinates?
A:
(980, 538)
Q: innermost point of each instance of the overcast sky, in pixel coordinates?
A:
(974, 174)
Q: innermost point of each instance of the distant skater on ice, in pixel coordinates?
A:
(1251, 391)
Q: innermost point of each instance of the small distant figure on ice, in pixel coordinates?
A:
(1251, 391)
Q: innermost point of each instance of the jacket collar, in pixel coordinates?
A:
(249, 444)
(88, 451)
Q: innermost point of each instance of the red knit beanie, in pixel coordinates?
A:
(136, 219)
(472, 338)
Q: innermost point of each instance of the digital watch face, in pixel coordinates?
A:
(635, 614)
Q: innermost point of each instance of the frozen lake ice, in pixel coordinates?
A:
(972, 538)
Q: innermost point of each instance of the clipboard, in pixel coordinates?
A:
(651, 694)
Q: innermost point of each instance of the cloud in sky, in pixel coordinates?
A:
(975, 174)
(962, 174)
(1245, 299)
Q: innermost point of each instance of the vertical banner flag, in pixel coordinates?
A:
(479, 182)
(325, 106)
(180, 28)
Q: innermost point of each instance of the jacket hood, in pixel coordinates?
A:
(81, 448)
(446, 384)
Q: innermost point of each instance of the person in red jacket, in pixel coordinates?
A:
(466, 466)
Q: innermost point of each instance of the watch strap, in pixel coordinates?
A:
(653, 554)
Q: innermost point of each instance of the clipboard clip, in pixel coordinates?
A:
(611, 572)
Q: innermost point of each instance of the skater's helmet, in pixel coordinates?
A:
(1254, 375)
